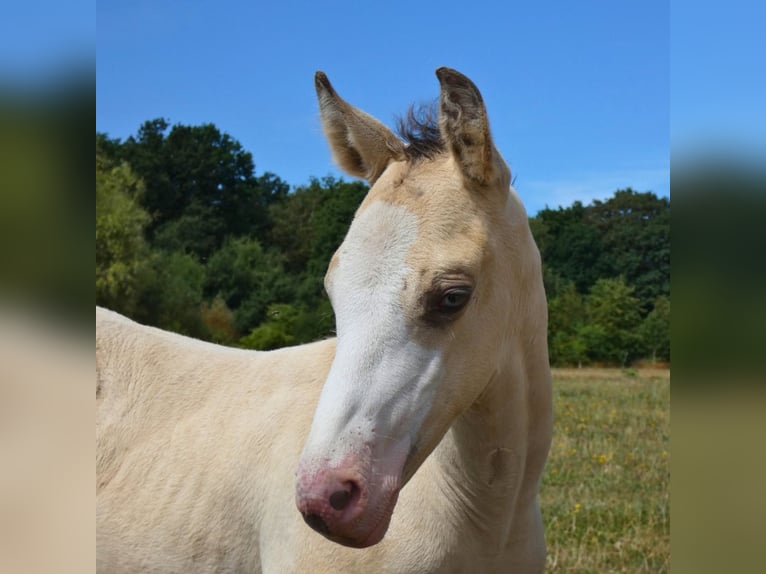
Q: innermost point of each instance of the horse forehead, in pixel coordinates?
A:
(424, 187)
(376, 246)
(423, 209)
(433, 191)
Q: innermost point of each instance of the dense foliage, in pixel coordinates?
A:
(607, 276)
(189, 239)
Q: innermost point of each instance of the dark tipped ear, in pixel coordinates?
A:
(361, 145)
(464, 127)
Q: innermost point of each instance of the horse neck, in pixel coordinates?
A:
(492, 457)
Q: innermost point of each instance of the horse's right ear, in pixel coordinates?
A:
(361, 145)
(464, 127)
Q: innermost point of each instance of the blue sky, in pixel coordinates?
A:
(718, 95)
(577, 92)
(40, 39)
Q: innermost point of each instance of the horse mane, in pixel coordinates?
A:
(420, 131)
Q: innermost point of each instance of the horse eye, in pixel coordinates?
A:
(454, 300)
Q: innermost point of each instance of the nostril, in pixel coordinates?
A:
(316, 522)
(340, 499)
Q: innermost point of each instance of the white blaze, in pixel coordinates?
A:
(381, 383)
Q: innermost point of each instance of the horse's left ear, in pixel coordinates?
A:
(360, 144)
(464, 127)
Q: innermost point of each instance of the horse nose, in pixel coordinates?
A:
(330, 502)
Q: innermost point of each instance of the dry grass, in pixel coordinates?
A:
(605, 494)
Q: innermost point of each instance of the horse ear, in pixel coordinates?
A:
(464, 127)
(361, 145)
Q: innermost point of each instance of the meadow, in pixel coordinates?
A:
(605, 494)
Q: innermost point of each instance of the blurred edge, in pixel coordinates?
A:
(46, 189)
(718, 396)
(47, 451)
(718, 185)
(47, 506)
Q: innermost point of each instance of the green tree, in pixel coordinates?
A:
(566, 318)
(312, 222)
(171, 293)
(612, 317)
(571, 246)
(120, 245)
(276, 331)
(194, 232)
(655, 330)
(248, 279)
(635, 237)
(288, 325)
(200, 185)
(627, 234)
(552, 280)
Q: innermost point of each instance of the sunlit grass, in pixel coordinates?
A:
(605, 495)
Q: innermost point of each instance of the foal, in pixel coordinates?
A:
(419, 435)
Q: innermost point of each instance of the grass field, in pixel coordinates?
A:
(605, 494)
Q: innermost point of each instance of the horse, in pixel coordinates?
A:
(412, 442)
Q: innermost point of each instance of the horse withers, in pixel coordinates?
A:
(413, 442)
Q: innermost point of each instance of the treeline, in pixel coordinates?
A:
(189, 239)
(606, 269)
